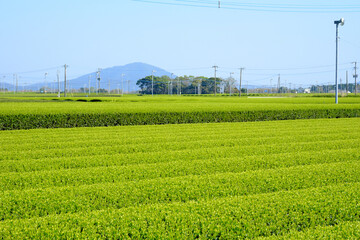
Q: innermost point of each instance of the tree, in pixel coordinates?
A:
(209, 86)
(160, 84)
(179, 85)
(229, 85)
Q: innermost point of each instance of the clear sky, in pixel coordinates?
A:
(293, 38)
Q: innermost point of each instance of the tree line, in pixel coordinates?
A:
(186, 85)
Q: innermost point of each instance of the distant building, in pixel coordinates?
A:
(307, 90)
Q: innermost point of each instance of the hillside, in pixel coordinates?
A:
(113, 75)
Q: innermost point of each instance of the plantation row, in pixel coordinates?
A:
(85, 174)
(32, 121)
(271, 146)
(90, 137)
(344, 230)
(42, 202)
(23, 114)
(232, 217)
(161, 144)
(109, 138)
(146, 104)
(285, 179)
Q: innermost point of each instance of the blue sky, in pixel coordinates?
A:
(42, 35)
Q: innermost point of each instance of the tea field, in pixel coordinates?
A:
(292, 179)
(36, 112)
(147, 104)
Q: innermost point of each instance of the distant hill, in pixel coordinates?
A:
(7, 86)
(113, 75)
(132, 72)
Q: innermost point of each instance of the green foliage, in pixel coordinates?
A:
(127, 193)
(279, 179)
(25, 113)
(153, 85)
(31, 121)
(179, 85)
(343, 230)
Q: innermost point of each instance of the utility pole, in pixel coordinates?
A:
(219, 4)
(45, 83)
(109, 87)
(99, 78)
(4, 84)
(122, 84)
(230, 82)
(199, 86)
(355, 76)
(215, 70)
(270, 85)
(17, 83)
(152, 82)
(58, 80)
(14, 76)
(347, 82)
(328, 86)
(278, 85)
(289, 87)
(195, 87)
(65, 66)
(340, 85)
(171, 84)
(128, 81)
(89, 85)
(179, 86)
(241, 70)
(341, 22)
(247, 85)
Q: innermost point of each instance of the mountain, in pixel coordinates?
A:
(7, 86)
(117, 77)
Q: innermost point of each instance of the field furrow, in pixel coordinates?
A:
(46, 201)
(259, 215)
(279, 179)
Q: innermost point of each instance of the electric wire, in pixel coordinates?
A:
(271, 5)
(251, 72)
(34, 71)
(326, 8)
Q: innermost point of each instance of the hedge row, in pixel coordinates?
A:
(32, 121)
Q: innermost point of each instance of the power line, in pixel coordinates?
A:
(212, 2)
(350, 43)
(185, 69)
(325, 8)
(293, 68)
(263, 74)
(34, 71)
